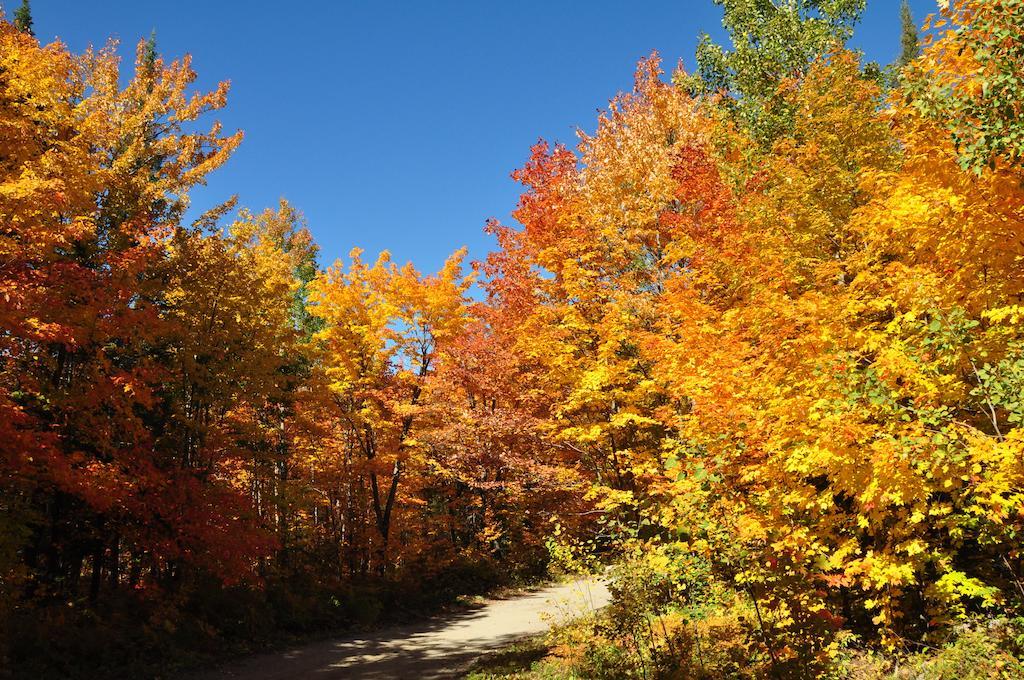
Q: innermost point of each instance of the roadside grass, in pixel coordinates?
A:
(520, 660)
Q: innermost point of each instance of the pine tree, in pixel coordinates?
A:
(910, 46)
(149, 54)
(23, 18)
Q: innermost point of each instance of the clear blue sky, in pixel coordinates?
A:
(395, 124)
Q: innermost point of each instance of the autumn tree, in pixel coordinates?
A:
(97, 179)
(235, 349)
(976, 89)
(795, 350)
(383, 329)
(505, 486)
(759, 331)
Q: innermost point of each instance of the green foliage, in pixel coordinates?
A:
(974, 655)
(773, 42)
(23, 18)
(984, 650)
(149, 53)
(983, 107)
(1001, 385)
(910, 45)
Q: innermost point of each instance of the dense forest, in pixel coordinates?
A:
(755, 342)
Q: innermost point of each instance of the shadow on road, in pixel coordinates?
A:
(438, 648)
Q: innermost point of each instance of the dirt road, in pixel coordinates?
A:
(438, 648)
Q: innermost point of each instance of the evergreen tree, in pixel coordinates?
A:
(910, 46)
(149, 54)
(23, 18)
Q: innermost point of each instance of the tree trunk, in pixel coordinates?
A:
(97, 573)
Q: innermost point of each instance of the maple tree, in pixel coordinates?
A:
(755, 337)
(84, 254)
(978, 97)
(794, 359)
(383, 327)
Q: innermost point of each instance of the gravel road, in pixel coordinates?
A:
(443, 647)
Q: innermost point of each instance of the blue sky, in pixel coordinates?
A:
(395, 125)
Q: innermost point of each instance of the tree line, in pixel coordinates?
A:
(757, 333)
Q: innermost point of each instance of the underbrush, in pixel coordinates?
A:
(717, 647)
(683, 624)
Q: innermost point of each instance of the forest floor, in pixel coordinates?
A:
(442, 647)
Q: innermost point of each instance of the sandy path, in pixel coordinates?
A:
(438, 648)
